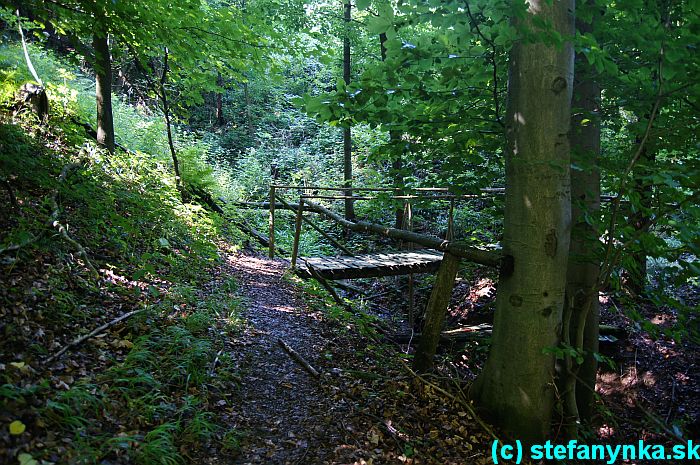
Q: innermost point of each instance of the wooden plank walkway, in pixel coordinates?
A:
(372, 265)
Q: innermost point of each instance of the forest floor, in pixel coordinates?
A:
(364, 408)
(285, 415)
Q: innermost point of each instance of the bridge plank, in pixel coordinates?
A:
(373, 265)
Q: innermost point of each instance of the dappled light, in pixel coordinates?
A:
(358, 232)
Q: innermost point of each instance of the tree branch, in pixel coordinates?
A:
(493, 62)
(227, 38)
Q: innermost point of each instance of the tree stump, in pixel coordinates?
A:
(33, 97)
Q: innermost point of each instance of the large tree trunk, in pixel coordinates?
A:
(582, 308)
(515, 388)
(103, 91)
(347, 136)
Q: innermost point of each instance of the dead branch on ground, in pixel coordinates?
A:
(299, 359)
(91, 334)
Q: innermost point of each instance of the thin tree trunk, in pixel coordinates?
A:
(347, 135)
(220, 101)
(103, 91)
(640, 219)
(515, 388)
(583, 268)
(163, 95)
(248, 115)
(397, 163)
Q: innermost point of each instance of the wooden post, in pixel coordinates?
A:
(271, 221)
(451, 221)
(320, 231)
(297, 232)
(435, 313)
(411, 298)
(411, 294)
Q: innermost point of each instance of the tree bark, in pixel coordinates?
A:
(103, 91)
(347, 135)
(250, 130)
(583, 268)
(516, 389)
(640, 219)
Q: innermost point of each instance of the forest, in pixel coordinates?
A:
(349, 231)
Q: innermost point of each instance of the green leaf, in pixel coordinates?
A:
(17, 428)
(362, 4)
(26, 459)
(378, 25)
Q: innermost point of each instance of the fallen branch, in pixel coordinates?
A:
(90, 131)
(62, 230)
(257, 235)
(328, 287)
(205, 197)
(278, 206)
(299, 359)
(91, 334)
(470, 333)
(446, 337)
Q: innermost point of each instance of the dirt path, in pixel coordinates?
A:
(286, 416)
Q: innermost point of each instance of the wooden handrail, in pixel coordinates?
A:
(321, 188)
(398, 197)
(381, 189)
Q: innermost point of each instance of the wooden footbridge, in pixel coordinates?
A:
(372, 265)
(441, 254)
(352, 266)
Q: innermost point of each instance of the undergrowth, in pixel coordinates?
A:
(152, 389)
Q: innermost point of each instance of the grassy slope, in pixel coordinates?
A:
(143, 392)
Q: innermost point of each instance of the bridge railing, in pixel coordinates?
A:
(306, 203)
